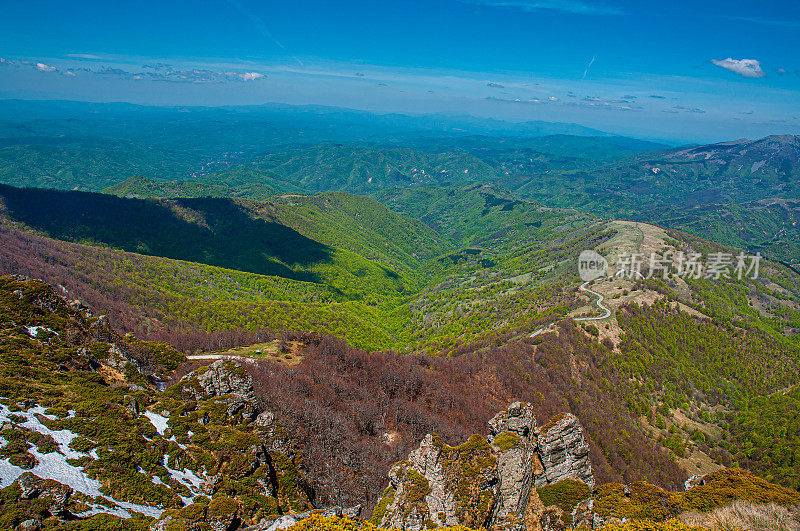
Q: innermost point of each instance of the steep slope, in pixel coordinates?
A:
(219, 232)
(89, 440)
(377, 270)
(358, 224)
(86, 436)
(338, 219)
(185, 301)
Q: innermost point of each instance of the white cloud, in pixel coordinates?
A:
(250, 76)
(579, 7)
(83, 56)
(41, 67)
(743, 67)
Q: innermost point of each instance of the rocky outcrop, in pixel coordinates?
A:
(56, 494)
(564, 452)
(487, 481)
(220, 514)
(693, 481)
(584, 515)
(225, 378)
(512, 433)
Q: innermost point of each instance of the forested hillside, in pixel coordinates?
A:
(402, 283)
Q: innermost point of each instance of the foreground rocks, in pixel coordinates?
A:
(487, 481)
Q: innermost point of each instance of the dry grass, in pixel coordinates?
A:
(270, 350)
(746, 516)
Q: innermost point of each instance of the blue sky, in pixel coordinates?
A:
(678, 70)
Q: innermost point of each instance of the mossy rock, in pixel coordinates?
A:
(565, 494)
(380, 509)
(222, 506)
(507, 441)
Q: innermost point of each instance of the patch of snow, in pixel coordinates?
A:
(54, 466)
(159, 421)
(8, 473)
(33, 331)
(62, 437)
(173, 439)
(187, 478)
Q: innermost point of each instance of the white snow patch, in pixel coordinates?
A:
(54, 465)
(8, 473)
(159, 421)
(62, 437)
(173, 439)
(187, 478)
(33, 331)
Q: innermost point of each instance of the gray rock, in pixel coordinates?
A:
(563, 452)
(517, 461)
(694, 481)
(352, 512)
(265, 419)
(29, 525)
(224, 378)
(287, 521)
(429, 487)
(518, 418)
(131, 404)
(284, 522)
(161, 525)
(32, 486)
(209, 486)
(223, 523)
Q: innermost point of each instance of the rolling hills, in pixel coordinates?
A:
(407, 281)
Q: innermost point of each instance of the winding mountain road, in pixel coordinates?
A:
(599, 303)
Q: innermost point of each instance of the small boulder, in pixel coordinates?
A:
(32, 486)
(29, 525)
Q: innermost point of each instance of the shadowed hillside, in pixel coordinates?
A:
(217, 232)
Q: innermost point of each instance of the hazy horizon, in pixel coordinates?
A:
(678, 73)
